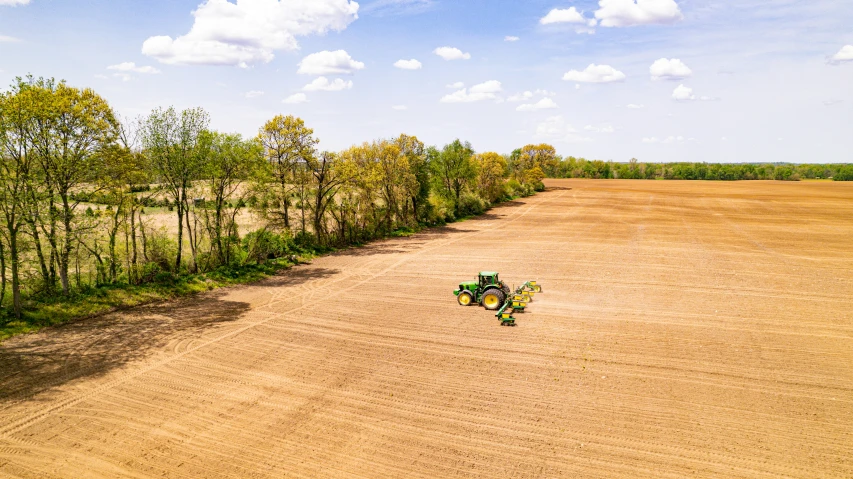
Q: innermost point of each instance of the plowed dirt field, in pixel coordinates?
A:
(687, 329)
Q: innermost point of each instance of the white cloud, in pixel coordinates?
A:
(669, 69)
(408, 64)
(383, 8)
(510, 38)
(527, 95)
(337, 62)
(8, 39)
(123, 76)
(253, 94)
(131, 67)
(635, 106)
(556, 129)
(666, 141)
(450, 53)
(832, 102)
(484, 91)
(520, 96)
(595, 74)
(456, 85)
(543, 104)
(626, 13)
(400, 107)
(102, 77)
(600, 129)
(568, 15)
(296, 98)
(843, 56)
(249, 31)
(323, 84)
(683, 93)
(13, 3)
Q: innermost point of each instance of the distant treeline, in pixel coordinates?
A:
(571, 167)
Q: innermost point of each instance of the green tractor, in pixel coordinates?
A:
(488, 291)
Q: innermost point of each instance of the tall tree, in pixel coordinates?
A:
(232, 162)
(288, 145)
(326, 184)
(419, 187)
(177, 147)
(15, 169)
(454, 170)
(74, 128)
(533, 162)
(491, 172)
(130, 170)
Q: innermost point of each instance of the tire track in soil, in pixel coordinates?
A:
(635, 363)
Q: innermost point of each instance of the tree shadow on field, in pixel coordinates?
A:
(90, 348)
(295, 275)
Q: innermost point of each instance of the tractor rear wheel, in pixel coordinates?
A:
(465, 298)
(493, 299)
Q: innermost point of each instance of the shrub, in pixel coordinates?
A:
(162, 249)
(263, 245)
(470, 204)
(440, 211)
(149, 271)
(516, 189)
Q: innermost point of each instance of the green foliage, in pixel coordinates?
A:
(471, 204)
(454, 170)
(162, 250)
(514, 189)
(571, 167)
(263, 245)
(441, 211)
(845, 173)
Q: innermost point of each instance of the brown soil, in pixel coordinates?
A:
(687, 329)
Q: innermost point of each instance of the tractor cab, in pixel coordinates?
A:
(487, 278)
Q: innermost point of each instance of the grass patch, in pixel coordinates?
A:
(94, 301)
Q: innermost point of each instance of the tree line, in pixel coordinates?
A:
(84, 193)
(571, 167)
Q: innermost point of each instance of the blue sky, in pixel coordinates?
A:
(736, 81)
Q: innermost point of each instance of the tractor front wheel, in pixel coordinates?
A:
(493, 299)
(465, 298)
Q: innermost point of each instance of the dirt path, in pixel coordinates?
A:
(687, 330)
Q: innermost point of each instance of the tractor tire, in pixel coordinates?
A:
(465, 298)
(537, 288)
(493, 299)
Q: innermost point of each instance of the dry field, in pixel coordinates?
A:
(687, 329)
